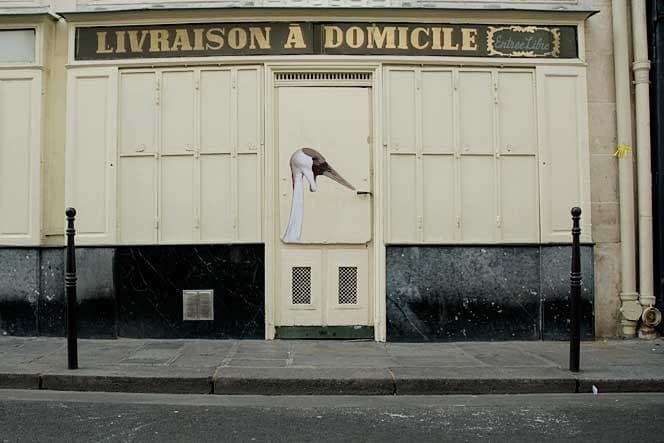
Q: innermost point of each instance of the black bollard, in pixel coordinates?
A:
(575, 294)
(70, 288)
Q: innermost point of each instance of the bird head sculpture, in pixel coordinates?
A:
(310, 164)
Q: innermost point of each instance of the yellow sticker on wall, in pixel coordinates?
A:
(622, 151)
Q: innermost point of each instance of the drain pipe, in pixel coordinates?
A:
(630, 308)
(641, 69)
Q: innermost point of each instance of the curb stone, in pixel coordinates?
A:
(304, 382)
(115, 383)
(292, 386)
(622, 385)
(444, 386)
(19, 381)
(337, 382)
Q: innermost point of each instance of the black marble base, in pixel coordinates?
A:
(52, 318)
(19, 291)
(452, 293)
(556, 261)
(133, 291)
(149, 281)
(434, 293)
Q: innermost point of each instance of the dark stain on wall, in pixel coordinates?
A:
(456, 293)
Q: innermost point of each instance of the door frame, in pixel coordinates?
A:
(271, 194)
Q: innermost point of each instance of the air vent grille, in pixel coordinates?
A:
(347, 285)
(198, 305)
(323, 78)
(301, 281)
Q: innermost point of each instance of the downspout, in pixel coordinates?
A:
(630, 307)
(641, 69)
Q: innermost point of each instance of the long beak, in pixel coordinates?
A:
(334, 175)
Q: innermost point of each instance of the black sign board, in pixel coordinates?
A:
(281, 38)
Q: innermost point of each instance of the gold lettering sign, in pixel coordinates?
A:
(349, 38)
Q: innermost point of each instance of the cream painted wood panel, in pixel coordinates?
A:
(249, 143)
(16, 175)
(91, 152)
(517, 164)
(437, 172)
(478, 210)
(216, 213)
(476, 112)
(176, 166)
(324, 287)
(249, 201)
(560, 136)
(15, 157)
(517, 115)
(438, 198)
(519, 221)
(91, 159)
(401, 111)
(137, 113)
(176, 210)
(216, 132)
(564, 169)
(438, 126)
(348, 287)
(137, 184)
(249, 110)
(138, 152)
(312, 117)
(301, 287)
(403, 198)
(20, 140)
(177, 112)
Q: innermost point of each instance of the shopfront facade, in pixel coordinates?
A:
(400, 174)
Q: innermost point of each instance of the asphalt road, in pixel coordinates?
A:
(49, 416)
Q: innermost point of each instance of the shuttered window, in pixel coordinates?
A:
(20, 117)
(159, 156)
(483, 155)
(189, 155)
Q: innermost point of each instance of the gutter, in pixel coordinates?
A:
(641, 67)
(630, 307)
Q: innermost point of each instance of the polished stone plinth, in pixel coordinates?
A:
(453, 293)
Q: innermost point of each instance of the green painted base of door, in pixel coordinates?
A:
(325, 332)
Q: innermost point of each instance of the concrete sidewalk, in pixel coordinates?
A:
(330, 367)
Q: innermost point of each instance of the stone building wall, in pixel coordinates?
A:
(603, 168)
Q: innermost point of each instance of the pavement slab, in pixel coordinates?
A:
(315, 367)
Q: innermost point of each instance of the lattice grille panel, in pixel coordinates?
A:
(329, 76)
(301, 284)
(347, 285)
